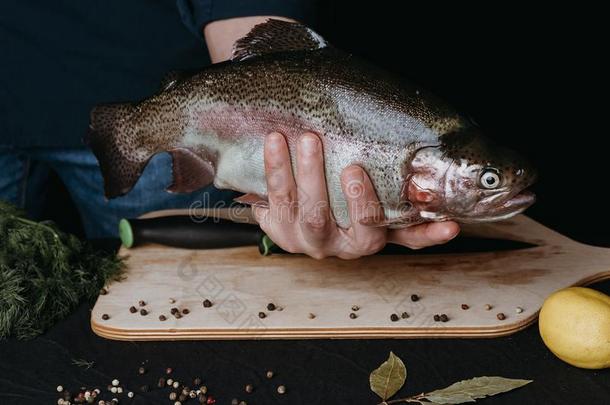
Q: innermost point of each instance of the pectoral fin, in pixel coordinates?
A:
(191, 171)
(253, 200)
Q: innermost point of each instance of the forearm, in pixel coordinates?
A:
(221, 35)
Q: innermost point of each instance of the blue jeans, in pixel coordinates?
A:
(24, 171)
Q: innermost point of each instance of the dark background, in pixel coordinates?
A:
(531, 78)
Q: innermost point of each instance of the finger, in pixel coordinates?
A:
(311, 190)
(281, 188)
(424, 235)
(362, 204)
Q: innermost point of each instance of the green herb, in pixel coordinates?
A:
(83, 363)
(391, 375)
(44, 273)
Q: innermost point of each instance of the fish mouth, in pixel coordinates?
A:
(508, 209)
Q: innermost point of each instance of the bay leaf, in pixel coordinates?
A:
(389, 377)
(475, 388)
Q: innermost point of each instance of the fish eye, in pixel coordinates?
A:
(490, 179)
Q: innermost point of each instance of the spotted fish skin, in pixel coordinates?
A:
(214, 122)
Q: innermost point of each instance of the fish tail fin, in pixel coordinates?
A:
(115, 145)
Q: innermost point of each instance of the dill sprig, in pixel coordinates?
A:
(44, 273)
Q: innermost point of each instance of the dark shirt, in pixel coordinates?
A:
(61, 57)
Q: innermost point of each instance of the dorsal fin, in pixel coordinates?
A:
(277, 36)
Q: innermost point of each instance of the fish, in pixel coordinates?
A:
(426, 161)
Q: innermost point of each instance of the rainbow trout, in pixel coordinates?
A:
(426, 162)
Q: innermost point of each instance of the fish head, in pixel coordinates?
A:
(469, 178)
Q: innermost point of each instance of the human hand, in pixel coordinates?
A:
(298, 217)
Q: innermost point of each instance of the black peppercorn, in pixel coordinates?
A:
(353, 315)
(437, 318)
(177, 315)
(262, 315)
(355, 308)
(465, 307)
(105, 317)
(404, 315)
(271, 306)
(185, 311)
(444, 318)
(414, 297)
(162, 318)
(141, 303)
(501, 316)
(133, 309)
(197, 381)
(174, 311)
(394, 317)
(143, 312)
(207, 303)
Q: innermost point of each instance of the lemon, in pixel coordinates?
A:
(575, 325)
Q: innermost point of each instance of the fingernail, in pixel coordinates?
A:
(274, 140)
(309, 144)
(353, 173)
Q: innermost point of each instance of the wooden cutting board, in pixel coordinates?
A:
(240, 283)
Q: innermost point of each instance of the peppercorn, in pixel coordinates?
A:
(501, 316)
(207, 303)
(143, 312)
(487, 307)
(202, 398)
(141, 371)
(353, 315)
(281, 389)
(177, 315)
(243, 403)
(185, 390)
(234, 401)
(162, 318)
(144, 388)
(141, 303)
(394, 317)
(115, 383)
(444, 318)
(161, 382)
(130, 394)
(174, 311)
(192, 394)
(271, 306)
(119, 390)
(185, 311)
(279, 309)
(172, 301)
(103, 291)
(269, 374)
(176, 384)
(204, 389)
(197, 381)
(114, 390)
(60, 388)
(170, 382)
(414, 297)
(105, 317)
(311, 316)
(437, 318)
(262, 315)
(249, 388)
(182, 397)
(404, 315)
(518, 310)
(465, 307)
(355, 308)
